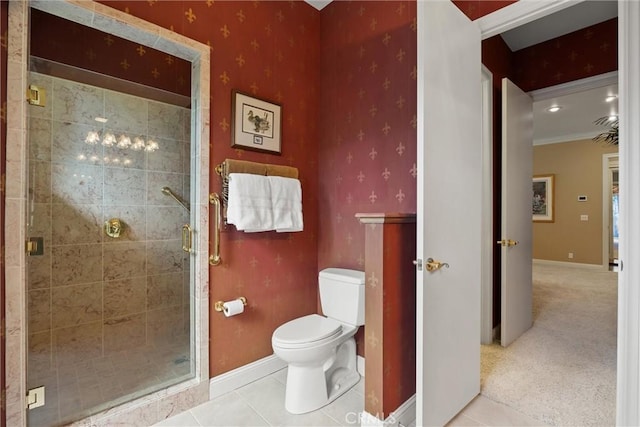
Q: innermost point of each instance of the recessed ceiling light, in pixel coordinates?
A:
(554, 109)
(611, 98)
(101, 119)
(613, 117)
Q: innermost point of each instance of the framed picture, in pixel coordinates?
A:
(256, 124)
(542, 202)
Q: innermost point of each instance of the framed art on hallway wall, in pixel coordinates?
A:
(542, 198)
(256, 124)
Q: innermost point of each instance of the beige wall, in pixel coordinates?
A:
(577, 167)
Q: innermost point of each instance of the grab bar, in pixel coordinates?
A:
(214, 259)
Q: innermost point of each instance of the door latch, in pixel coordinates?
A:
(507, 242)
(418, 264)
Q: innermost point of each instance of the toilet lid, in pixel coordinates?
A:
(307, 329)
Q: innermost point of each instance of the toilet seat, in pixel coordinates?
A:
(306, 331)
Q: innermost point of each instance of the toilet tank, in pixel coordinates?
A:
(342, 295)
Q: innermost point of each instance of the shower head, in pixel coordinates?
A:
(167, 192)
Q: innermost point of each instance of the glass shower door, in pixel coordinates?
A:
(109, 294)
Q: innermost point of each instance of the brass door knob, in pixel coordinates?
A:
(433, 265)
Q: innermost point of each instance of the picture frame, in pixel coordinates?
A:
(256, 124)
(542, 203)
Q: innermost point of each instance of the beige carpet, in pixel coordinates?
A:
(563, 370)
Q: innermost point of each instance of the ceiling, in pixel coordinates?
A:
(318, 4)
(579, 110)
(575, 119)
(583, 14)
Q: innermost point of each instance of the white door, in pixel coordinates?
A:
(517, 166)
(448, 212)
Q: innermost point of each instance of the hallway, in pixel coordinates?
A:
(563, 370)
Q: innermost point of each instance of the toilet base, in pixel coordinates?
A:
(312, 387)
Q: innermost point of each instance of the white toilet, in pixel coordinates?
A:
(321, 351)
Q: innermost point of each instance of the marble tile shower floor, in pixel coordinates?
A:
(261, 403)
(77, 389)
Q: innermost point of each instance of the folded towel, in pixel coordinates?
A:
(249, 202)
(286, 200)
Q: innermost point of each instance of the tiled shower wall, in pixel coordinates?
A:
(90, 295)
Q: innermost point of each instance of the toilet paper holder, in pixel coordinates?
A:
(219, 305)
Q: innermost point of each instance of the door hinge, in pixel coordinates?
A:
(35, 397)
(35, 246)
(507, 242)
(36, 96)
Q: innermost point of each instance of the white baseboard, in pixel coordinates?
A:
(405, 415)
(244, 375)
(569, 264)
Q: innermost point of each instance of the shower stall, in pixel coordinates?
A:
(109, 309)
(107, 192)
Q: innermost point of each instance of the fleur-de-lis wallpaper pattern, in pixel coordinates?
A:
(94, 50)
(346, 80)
(583, 53)
(475, 9)
(367, 146)
(368, 108)
(269, 50)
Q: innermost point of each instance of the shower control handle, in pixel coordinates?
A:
(113, 227)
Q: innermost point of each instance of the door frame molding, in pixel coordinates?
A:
(628, 360)
(628, 384)
(486, 294)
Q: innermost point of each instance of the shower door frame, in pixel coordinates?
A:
(164, 403)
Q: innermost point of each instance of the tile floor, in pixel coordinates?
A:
(76, 390)
(261, 403)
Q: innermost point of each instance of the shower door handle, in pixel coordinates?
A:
(214, 259)
(187, 238)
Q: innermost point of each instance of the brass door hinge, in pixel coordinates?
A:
(36, 96)
(35, 246)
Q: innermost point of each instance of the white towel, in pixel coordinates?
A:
(249, 202)
(286, 197)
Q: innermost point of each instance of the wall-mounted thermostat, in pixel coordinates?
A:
(582, 198)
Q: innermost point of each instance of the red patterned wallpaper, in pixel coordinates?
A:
(269, 49)
(345, 78)
(368, 114)
(583, 53)
(106, 54)
(475, 9)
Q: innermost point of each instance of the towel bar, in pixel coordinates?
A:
(242, 166)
